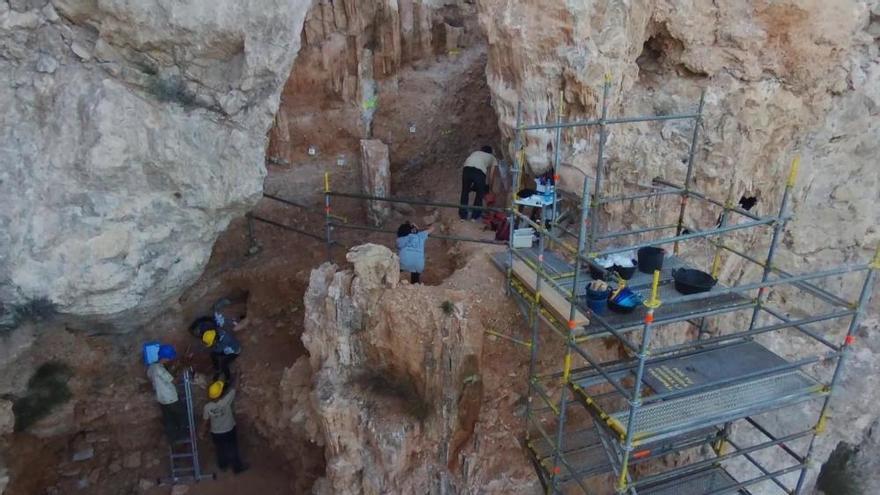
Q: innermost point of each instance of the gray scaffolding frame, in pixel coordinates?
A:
(619, 442)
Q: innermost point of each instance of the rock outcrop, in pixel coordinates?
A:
(376, 178)
(397, 379)
(133, 132)
(781, 78)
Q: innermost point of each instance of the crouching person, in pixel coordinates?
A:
(219, 416)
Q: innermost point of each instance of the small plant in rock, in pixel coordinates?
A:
(47, 389)
(448, 307)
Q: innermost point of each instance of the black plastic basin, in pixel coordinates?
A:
(690, 281)
(625, 272)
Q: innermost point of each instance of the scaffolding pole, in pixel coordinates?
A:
(534, 312)
(514, 178)
(600, 165)
(582, 230)
(775, 237)
(690, 169)
(848, 341)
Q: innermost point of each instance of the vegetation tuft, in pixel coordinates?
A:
(448, 307)
(47, 389)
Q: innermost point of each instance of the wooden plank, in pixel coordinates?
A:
(551, 298)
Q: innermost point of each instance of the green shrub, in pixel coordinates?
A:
(47, 389)
(448, 307)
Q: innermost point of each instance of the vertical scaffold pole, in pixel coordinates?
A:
(535, 321)
(716, 259)
(636, 401)
(514, 181)
(848, 341)
(570, 340)
(778, 227)
(600, 165)
(327, 226)
(692, 152)
(556, 154)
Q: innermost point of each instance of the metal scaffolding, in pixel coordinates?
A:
(689, 389)
(675, 385)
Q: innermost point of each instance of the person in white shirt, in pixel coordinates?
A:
(173, 409)
(477, 175)
(219, 415)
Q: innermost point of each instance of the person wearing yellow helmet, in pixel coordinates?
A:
(218, 415)
(215, 332)
(224, 349)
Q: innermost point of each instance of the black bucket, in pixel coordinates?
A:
(625, 272)
(650, 259)
(690, 281)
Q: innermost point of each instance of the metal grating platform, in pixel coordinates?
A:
(713, 480)
(562, 272)
(583, 452)
(585, 455)
(711, 366)
(719, 405)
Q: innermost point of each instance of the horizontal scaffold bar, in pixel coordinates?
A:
(703, 197)
(621, 233)
(630, 197)
(436, 236)
(419, 202)
(287, 227)
(618, 120)
(692, 235)
(805, 286)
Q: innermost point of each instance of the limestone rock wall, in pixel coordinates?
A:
(132, 133)
(397, 386)
(781, 78)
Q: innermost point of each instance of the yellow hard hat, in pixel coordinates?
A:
(216, 389)
(209, 337)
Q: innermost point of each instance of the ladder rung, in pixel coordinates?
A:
(177, 456)
(184, 469)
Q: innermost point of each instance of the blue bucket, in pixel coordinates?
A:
(597, 300)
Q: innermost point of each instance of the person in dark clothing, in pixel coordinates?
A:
(476, 175)
(219, 415)
(224, 349)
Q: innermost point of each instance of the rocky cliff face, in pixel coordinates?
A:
(132, 133)
(395, 392)
(781, 78)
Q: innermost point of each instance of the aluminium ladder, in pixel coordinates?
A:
(184, 453)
